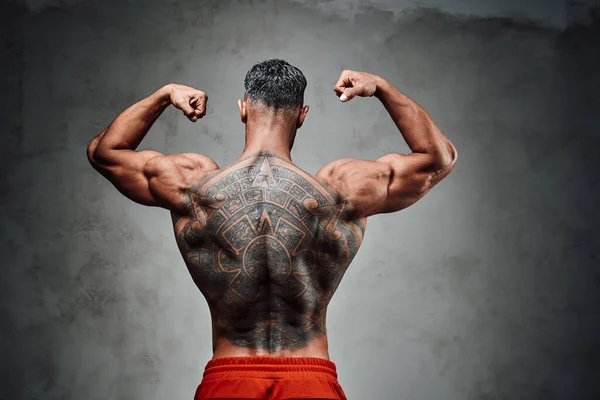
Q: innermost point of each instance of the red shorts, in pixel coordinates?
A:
(269, 378)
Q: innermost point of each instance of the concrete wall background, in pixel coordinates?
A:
(486, 289)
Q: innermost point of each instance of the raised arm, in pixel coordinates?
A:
(149, 177)
(394, 181)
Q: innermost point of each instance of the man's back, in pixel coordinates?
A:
(267, 245)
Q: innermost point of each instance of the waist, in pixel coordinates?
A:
(270, 368)
(284, 347)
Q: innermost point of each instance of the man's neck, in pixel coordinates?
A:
(268, 137)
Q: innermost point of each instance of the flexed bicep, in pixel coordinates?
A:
(395, 181)
(126, 170)
(390, 183)
(149, 177)
(411, 177)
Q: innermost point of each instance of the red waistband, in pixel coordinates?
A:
(275, 365)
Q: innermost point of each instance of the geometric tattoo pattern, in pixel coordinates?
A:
(267, 245)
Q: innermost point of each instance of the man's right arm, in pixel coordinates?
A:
(394, 181)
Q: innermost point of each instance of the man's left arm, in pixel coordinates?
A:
(149, 177)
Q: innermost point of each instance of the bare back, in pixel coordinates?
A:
(267, 245)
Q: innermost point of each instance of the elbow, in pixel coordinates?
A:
(446, 156)
(452, 156)
(91, 154)
(91, 151)
(94, 157)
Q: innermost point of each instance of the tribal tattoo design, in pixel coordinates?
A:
(267, 245)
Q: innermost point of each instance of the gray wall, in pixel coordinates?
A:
(488, 288)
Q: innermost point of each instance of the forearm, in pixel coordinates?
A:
(416, 126)
(129, 128)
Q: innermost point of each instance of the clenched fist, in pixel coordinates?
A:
(189, 100)
(354, 83)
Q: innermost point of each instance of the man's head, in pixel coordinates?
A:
(274, 86)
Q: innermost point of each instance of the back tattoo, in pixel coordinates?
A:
(267, 245)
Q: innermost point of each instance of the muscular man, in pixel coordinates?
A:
(267, 243)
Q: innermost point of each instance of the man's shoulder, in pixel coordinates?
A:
(198, 160)
(334, 166)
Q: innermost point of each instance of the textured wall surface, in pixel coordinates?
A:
(488, 288)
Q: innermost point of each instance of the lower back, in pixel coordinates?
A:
(317, 347)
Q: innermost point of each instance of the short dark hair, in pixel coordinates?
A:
(276, 83)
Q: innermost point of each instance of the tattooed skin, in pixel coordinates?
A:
(267, 245)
